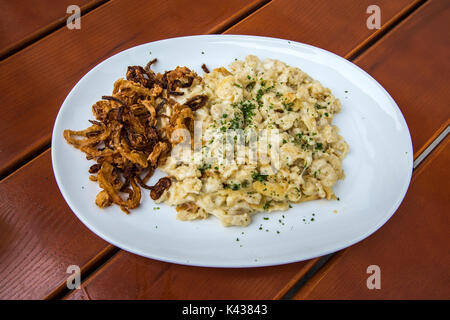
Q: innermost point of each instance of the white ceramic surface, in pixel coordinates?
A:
(378, 166)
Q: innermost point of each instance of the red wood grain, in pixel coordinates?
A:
(186, 282)
(48, 69)
(410, 62)
(39, 77)
(21, 19)
(402, 62)
(337, 26)
(40, 236)
(411, 249)
(142, 278)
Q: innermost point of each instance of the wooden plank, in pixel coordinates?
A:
(40, 236)
(408, 62)
(411, 250)
(142, 278)
(337, 26)
(281, 283)
(22, 20)
(39, 77)
(398, 76)
(148, 279)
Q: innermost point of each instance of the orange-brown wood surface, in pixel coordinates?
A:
(337, 26)
(176, 281)
(142, 278)
(411, 250)
(48, 69)
(39, 77)
(411, 62)
(20, 19)
(40, 236)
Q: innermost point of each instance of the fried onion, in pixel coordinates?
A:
(130, 134)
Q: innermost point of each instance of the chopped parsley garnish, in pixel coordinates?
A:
(259, 95)
(204, 167)
(259, 177)
(318, 106)
(262, 91)
(288, 106)
(233, 186)
(250, 85)
(235, 123)
(247, 109)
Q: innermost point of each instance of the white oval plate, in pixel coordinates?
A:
(378, 166)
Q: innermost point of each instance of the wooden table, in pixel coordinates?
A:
(42, 60)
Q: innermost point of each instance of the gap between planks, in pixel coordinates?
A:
(240, 16)
(110, 251)
(324, 262)
(46, 30)
(86, 271)
(43, 144)
(316, 264)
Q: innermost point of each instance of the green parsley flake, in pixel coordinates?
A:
(259, 177)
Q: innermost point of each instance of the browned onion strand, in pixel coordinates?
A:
(205, 68)
(176, 93)
(196, 102)
(158, 189)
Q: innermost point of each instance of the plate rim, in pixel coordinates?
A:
(258, 263)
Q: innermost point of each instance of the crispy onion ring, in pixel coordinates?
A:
(196, 102)
(129, 136)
